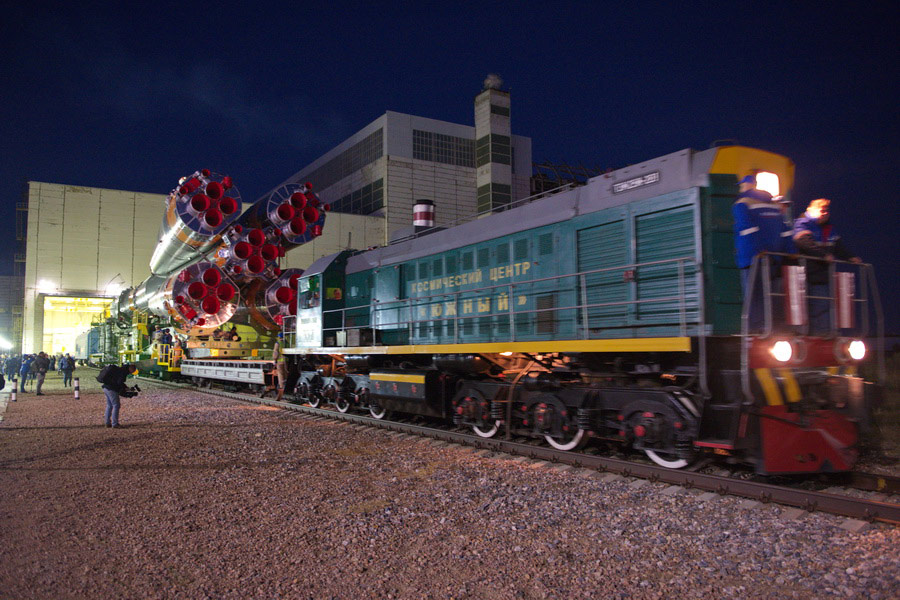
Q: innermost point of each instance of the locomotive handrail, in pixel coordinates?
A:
(407, 303)
(867, 285)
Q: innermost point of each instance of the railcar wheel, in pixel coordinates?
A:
(342, 404)
(314, 400)
(667, 460)
(378, 412)
(568, 442)
(487, 432)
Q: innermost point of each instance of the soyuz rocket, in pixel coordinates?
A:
(213, 264)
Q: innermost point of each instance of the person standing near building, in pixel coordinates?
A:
(24, 372)
(759, 227)
(67, 365)
(40, 367)
(815, 236)
(113, 386)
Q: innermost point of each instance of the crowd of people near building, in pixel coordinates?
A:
(31, 369)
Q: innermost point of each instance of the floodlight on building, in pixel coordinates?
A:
(5, 344)
(45, 286)
(113, 288)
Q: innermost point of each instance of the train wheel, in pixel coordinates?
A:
(487, 432)
(567, 441)
(378, 412)
(342, 404)
(314, 400)
(665, 459)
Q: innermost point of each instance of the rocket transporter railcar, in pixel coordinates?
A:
(610, 311)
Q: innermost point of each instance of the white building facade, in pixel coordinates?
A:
(397, 159)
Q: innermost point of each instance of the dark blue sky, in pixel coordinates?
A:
(133, 99)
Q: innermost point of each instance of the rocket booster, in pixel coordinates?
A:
(291, 215)
(267, 302)
(198, 211)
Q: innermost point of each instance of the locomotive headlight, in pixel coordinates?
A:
(782, 351)
(768, 182)
(856, 350)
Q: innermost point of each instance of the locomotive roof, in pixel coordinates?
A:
(669, 173)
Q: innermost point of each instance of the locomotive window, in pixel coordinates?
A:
(451, 264)
(467, 261)
(521, 249)
(484, 257)
(545, 244)
(502, 254)
(546, 320)
(438, 268)
(409, 272)
(423, 270)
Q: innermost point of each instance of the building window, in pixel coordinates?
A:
(493, 148)
(363, 201)
(353, 159)
(446, 149)
(500, 110)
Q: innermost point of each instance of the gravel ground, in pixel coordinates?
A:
(204, 497)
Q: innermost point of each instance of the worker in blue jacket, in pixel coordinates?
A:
(759, 226)
(24, 371)
(815, 236)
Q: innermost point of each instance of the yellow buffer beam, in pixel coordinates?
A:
(669, 344)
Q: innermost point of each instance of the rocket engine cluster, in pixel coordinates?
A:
(213, 264)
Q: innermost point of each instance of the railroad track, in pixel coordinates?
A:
(809, 500)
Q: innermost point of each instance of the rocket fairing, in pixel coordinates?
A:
(198, 211)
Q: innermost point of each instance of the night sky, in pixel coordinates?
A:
(133, 99)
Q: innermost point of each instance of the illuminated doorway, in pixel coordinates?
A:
(65, 318)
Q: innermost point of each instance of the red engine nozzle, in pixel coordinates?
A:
(200, 203)
(213, 218)
(242, 250)
(228, 205)
(298, 200)
(225, 292)
(311, 214)
(214, 190)
(256, 237)
(284, 294)
(255, 264)
(212, 277)
(292, 282)
(284, 212)
(269, 252)
(196, 290)
(210, 305)
(297, 226)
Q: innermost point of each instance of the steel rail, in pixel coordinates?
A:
(857, 508)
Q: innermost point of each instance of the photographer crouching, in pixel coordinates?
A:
(113, 379)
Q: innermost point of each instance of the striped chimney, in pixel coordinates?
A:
(423, 213)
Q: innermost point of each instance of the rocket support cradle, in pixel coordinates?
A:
(212, 265)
